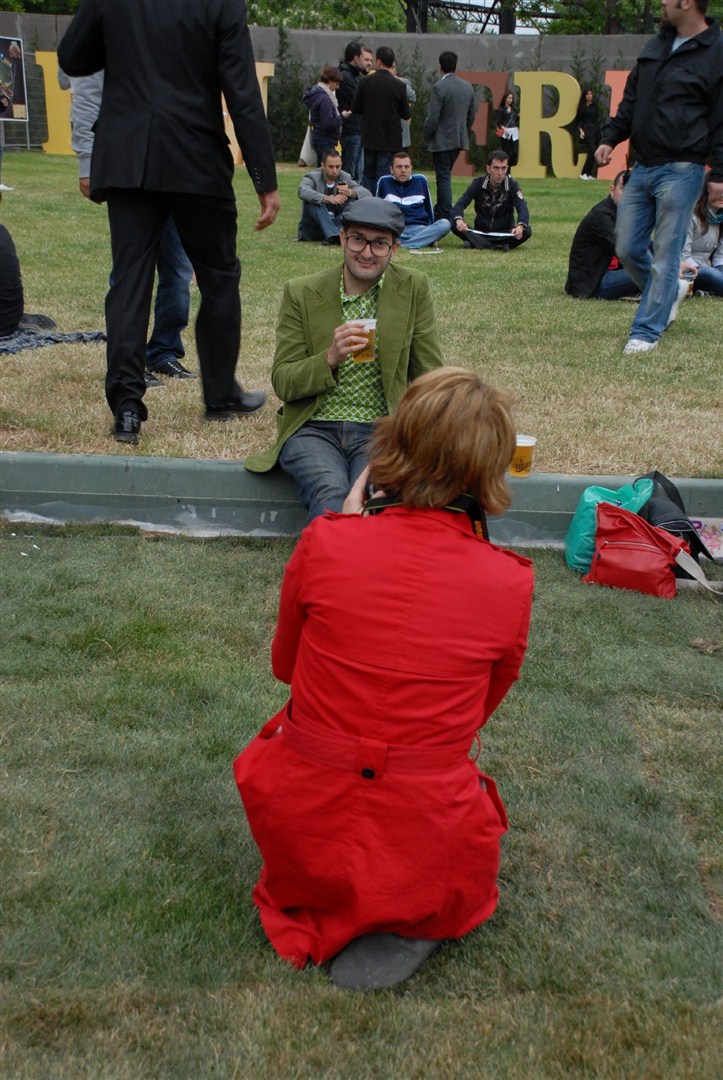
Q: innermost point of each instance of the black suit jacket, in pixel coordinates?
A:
(381, 99)
(167, 62)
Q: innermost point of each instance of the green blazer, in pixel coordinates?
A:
(310, 313)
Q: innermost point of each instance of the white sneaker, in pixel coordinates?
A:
(584, 176)
(4, 187)
(636, 345)
(683, 290)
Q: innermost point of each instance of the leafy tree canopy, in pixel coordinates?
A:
(379, 16)
(609, 16)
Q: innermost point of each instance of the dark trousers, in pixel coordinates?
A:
(443, 164)
(376, 164)
(207, 228)
(493, 243)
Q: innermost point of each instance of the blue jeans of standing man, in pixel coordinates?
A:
(325, 458)
(443, 164)
(171, 309)
(657, 199)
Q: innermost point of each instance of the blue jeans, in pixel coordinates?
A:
(325, 457)
(659, 199)
(319, 222)
(352, 156)
(614, 284)
(419, 236)
(709, 279)
(443, 164)
(376, 163)
(171, 310)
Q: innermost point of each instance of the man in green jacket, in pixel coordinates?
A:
(334, 376)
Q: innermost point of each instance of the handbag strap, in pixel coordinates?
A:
(685, 562)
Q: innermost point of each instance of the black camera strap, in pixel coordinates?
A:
(463, 504)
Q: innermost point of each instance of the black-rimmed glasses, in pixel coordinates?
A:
(358, 243)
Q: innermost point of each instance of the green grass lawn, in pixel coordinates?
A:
(592, 409)
(134, 670)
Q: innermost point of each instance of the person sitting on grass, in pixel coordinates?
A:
(703, 248)
(594, 269)
(12, 297)
(400, 631)
(324, 194)
(333, 380)
(498, 200)
(410, 192)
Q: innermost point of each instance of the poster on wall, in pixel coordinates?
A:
(13, 96)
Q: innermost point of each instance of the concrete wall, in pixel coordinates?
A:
(481, 52)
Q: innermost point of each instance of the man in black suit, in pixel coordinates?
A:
(160, 150)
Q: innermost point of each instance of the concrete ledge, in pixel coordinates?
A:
(216, 498)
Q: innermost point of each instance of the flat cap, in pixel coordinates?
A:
(376, 213)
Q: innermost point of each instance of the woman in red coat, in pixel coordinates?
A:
(400, 630)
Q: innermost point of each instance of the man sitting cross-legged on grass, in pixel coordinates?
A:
(410, 192)
(330, 400)
(324, 194)
(497, 200)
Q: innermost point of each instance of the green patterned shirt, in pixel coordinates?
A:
(359, 393)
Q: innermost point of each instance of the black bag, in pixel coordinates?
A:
(665, 509)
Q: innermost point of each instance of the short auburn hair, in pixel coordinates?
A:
(452, 434)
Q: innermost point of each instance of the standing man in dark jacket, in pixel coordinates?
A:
(672, 111)
(595, 271)
(446, 129)
(497, 199)
(381, 100)
(160, 150)
(352, 69)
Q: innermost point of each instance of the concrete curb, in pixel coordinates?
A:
(217, 498)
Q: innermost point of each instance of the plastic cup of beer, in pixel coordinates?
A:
(521, 464)
(367, 353)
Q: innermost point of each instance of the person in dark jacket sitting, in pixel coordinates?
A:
(12, 297)
(497, 199)
(595, 271)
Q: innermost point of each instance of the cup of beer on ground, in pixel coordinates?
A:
(367, 353)
(521, 464)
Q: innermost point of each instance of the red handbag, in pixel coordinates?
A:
(632, 554)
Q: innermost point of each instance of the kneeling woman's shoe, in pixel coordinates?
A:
(377, 961)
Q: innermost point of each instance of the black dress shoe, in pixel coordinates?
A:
(173, 369)
(127, 427)
(246, 403)
(151, 381)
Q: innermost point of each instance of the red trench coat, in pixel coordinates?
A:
(399, 634)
